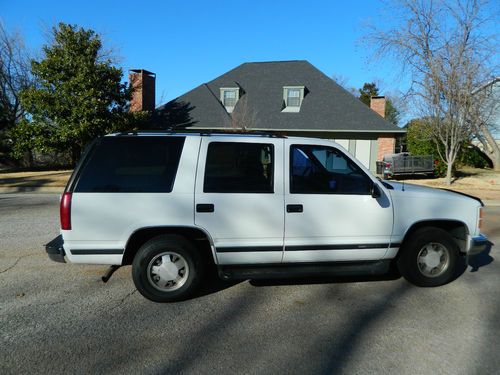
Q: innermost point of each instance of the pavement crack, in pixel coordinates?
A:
(128, 295)
(15, 263)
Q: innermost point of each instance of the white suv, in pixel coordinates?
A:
(255, 205)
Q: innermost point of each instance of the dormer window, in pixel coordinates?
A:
(229, 96)
(292, 97)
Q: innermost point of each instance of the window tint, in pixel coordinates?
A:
(234, 167)
(132, 165)
(325, 170)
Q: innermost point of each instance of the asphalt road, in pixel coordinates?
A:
(60, 318)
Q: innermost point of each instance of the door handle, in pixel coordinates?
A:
(205, 207)
(294, 208)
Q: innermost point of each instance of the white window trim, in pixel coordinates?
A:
(285, 98)
(229, 109)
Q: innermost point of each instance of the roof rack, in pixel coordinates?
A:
(201, 132)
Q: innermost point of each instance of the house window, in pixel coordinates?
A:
(292, 98)
(229, 96)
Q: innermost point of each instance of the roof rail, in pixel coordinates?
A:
(202, 132)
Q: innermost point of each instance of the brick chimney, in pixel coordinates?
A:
(377, 103)
(143, 90)
(386, 142)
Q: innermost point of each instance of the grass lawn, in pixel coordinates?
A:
(482, 183)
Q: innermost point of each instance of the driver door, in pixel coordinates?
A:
(330, 214)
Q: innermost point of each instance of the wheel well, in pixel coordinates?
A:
(456, 229)
(141, 236)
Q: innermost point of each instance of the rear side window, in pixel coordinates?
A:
(235, 167)
(132, 165)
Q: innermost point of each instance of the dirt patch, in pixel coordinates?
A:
(35, 179)
(482, 183)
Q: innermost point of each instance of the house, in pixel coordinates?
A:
(287, 97)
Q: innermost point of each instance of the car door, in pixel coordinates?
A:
(330, 212)
(239, 197)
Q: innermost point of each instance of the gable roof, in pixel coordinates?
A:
(326, 105)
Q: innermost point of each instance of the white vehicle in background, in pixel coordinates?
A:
(256, 206)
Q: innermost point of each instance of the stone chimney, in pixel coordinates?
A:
(377, 103)
(143, 90)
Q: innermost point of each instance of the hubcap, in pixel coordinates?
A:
(433, 259)
(168, 271)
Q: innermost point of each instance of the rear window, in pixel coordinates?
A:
(131, 165)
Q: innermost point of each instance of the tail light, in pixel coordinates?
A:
(388, 165)
(65, 211)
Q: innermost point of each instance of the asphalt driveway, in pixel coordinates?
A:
(60, 318)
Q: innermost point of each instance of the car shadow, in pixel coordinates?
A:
(481, 260)
(392, 275)
(212, 284)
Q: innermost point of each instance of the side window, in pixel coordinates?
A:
(131, 165)
(325, 170)
(234, 167)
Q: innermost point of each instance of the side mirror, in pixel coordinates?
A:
(375, 191)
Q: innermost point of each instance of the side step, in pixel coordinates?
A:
(300, 270)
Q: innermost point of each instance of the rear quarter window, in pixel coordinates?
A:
(131, 164)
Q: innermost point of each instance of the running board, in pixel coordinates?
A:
(300, 270)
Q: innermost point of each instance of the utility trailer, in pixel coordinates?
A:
(404, 164)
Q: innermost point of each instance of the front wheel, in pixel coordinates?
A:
(167, 268)
(430, 257)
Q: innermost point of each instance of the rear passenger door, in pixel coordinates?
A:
(239, 198)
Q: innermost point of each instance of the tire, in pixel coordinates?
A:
(430, 257)
(167, 268)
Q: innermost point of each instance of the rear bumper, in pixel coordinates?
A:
(478, 244)
(55, 249)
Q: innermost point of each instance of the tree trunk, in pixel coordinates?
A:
(448, 174)
(28, 160)
(491, 147)
(76, 151)
(494, 156)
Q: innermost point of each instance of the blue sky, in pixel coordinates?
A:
(187, 43)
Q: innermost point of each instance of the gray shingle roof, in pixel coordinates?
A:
(326, 105)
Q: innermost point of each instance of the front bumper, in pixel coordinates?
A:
(55, 249)
(478, 244)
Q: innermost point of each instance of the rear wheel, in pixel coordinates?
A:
(167, 268)
(430, 257)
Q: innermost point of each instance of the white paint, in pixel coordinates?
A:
(343, 142)
(363, 151)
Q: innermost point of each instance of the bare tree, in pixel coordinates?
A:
(243, 117)
(15, 75)
(447, 50)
